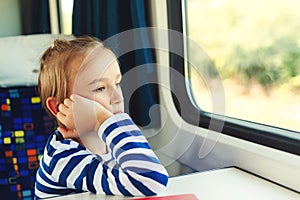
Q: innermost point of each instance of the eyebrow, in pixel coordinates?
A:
(103, 79)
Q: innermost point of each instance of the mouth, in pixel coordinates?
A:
(117, 112)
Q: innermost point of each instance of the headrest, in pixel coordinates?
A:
(20, 56)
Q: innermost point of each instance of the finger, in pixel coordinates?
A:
(78, 98)
(63, 108)
(62, 130)
(61, 117)
(74, 97)
(68, 102)
(67, 133)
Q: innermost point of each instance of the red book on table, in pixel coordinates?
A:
(172, 197)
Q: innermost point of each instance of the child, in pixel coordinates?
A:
(96, 146)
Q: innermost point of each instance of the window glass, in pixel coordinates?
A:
(10, 18)
(255, 46)
(66, 11)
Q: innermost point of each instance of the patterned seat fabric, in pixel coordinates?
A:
(24, 129)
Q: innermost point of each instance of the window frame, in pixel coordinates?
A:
(278, 138)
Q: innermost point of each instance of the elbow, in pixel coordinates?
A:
(157, 184)
(149, 184)
(161, 185)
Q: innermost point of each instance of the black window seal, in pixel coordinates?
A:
(254, 132)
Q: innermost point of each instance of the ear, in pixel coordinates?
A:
(52, 105)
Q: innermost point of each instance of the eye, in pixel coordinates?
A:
(118, 85)
(99, 89)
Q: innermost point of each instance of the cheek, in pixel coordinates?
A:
(80, 89)
(121, 106)
(103, 99)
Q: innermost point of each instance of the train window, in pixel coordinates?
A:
(255, 48)
(253, 52)
(65, 13)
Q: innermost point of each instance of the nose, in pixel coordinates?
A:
(116, 96)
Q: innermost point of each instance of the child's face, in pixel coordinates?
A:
(98, 78)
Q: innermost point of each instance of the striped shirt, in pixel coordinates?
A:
(132, 170)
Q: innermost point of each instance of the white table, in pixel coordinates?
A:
(220, 184)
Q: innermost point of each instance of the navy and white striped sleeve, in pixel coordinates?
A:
(135, 169)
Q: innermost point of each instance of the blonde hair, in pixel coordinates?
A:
(55, 71)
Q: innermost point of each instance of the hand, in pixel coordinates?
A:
(87, 114)
(82, 118)
(68, 133)
(65, 114)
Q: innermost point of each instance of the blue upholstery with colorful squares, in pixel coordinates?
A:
(24, 124)
(24, 129)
